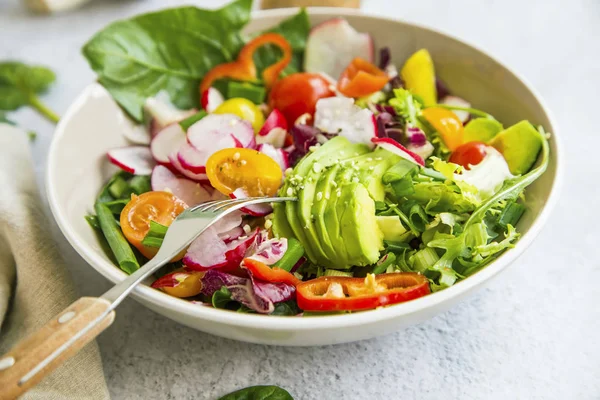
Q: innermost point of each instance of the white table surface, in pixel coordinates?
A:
(532, 334)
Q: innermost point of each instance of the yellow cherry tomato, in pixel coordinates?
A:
(245, 109)
(255, 172)
(447, 124)
(189, 283)
(418, 75)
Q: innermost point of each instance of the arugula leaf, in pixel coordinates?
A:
(295, 30)
(168, 50)
(259, 393)
(20, 85)
(286, 308)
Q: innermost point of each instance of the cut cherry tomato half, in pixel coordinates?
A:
(447, 124)
(468, 154)
(266, 273)
(180, 283)
(361, 78)
(230, 169)
(161, 207)
(297, 94)
(334, 293)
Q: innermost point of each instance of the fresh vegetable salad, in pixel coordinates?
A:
(403, 188)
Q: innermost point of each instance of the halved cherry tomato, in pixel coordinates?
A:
(231, 169)
(244, 109)
(334, 293)
(471, 153)
(243, 68)
(297, 94)
(181, 283)
(269, 274)
(161, 207)
(447, 124)
(361, 78)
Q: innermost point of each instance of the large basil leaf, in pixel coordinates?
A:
(259, 393)
(168, 50)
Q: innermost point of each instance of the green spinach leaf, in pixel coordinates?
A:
(222, 299)
(20, 85)
(168, 50)
(259, 393)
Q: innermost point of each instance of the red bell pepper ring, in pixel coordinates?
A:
(361, 78)
(243, 69)
(334, 293)
(265, 273)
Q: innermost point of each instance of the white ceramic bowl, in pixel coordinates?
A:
(93, 124)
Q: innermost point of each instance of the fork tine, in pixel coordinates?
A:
(228, 204)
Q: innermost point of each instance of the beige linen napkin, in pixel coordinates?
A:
(34, 283)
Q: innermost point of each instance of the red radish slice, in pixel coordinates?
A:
(174, 162)
(237, 250)
(219, 131)
(136, 160)
(274, 130)
(340, 114)
(164, 113)
(232, 234)
(391, 145)
(206, 251)
(192, 193)
(279, 155)
(229, 222)
(192, 159)
(256, 210)
(458, 102)
(211, 99)
(331, 46)
(166, 142)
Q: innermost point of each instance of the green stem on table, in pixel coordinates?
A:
(36, 103)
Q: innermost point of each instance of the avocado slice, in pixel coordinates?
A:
(324, 187)
(358, 225)
(293, 185)
(481, 130)
(332, 219)
(520, 145)
(306, 195)
(370, 173)
(391, 227)
(281, 227)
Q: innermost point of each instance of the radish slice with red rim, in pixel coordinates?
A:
(256, 210)
(192, 159)
(219, 131)
(166, 142)
(279, 155)
(174, 162)
(211, 99)
(133, 159)
(163, 113)
(274, 130)
(192, 193)
(232, 234)
(396, 148)
(206, 251)
(458, 102)
(331, 46)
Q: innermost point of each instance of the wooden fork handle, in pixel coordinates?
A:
(29, 352)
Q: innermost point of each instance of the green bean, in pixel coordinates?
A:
(117, 242)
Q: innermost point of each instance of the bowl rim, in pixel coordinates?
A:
(280, 323)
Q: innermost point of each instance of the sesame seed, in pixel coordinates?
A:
(290, 191)
(334, 183)
(339, 193)
(288, 171)
(355, 180)
(327, 195)
(243, 237)
(236, 156)
(378, 158)
(247, 229)
(317, 167)
(371, 168)
(319, 196)
(270, 216)
(243, 162)
(369, 158)
(268, 224)
(312, 149)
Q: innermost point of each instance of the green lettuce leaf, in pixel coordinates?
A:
(168, 50)
(406, 106)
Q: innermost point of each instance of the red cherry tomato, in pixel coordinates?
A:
(470, 153)
(297, 94)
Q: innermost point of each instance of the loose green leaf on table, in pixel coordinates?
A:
(259, 393)
(20, 85)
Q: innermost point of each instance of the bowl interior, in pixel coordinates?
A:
(77, 166)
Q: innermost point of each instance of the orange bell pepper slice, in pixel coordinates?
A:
(361, 78)
(447, 124)
(265, 273)
(335, 293)
(243, 69)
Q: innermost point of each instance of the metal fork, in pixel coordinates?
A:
(36, 356)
